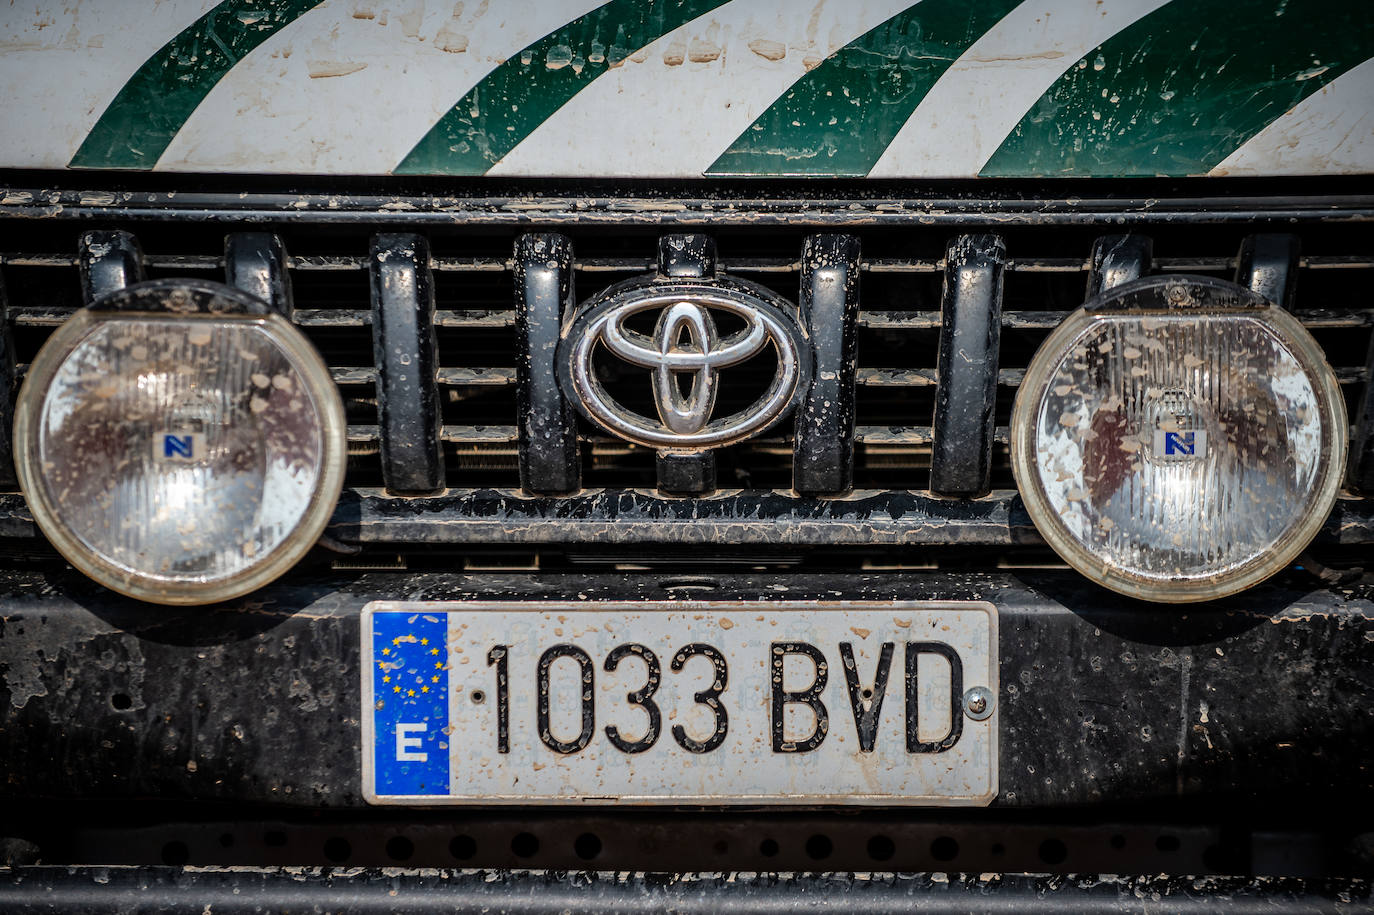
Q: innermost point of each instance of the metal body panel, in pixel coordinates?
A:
(686, 88)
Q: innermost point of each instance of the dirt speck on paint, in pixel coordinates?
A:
(451, 41)
(768, 49)
(703, 52)
(323, 69)
(559, 56)
(706, 49)
(451, 36)
(410, 21)
(676, 53)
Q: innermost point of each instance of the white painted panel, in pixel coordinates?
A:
(674, 107)
(985, 93)
(1331, 132)
(747, 765)
(62, 64)
(353, 85)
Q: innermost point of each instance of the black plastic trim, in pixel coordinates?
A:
(256, 263)
(966, 373)
(108, 262)
(1268, 266)
(356, 891)
(823, 450)
(550, 460)
(407, 359)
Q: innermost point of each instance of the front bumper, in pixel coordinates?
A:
(87, 890)
(1249, 714)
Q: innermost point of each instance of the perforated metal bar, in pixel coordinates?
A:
(406, 356)
(108, 261)
(823, 452)
(966, 372)
(1268, 265)
(256, 263)
(1118, 259)
(550, 461)
(686, 256)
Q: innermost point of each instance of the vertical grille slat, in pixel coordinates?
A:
(8, 378)
(550, 458)
(256, 263)
(966, 366)
(406, 358)
(823, 454)
(1118, 259)
(108, 262)
(1268, 265)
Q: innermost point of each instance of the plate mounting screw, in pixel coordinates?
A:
(978, 703)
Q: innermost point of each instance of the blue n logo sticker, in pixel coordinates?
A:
(1179, 443)
(178, 446)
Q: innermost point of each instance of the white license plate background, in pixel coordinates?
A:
(432, 692)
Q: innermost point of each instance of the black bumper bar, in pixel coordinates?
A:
(86, 891)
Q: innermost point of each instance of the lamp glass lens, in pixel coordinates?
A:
(1175, 447)
(183, 450)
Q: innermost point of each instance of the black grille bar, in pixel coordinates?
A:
(108, 262)
(256, 263)
(823, 454)
(407, 356)
(56, 315)
(549, 456)
(1268, 265)
(727, 520)
(1118, 259)
(966, 373)
(878, 205)
(7, 394)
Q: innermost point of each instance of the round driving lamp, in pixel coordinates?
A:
(180, 443)
(1179, 438)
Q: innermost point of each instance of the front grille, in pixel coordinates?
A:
(1047, 268)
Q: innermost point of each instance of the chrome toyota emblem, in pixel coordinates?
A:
(685, 358)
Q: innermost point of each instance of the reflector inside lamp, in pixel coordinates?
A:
(180, 459)
(1179, 456)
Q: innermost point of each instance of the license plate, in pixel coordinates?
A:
(685, 702)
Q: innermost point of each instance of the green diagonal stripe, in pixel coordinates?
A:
(157, 101)
(1184, 87)
(838, 119)
(520, 94)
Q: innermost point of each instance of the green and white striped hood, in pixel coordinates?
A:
(686, 88)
